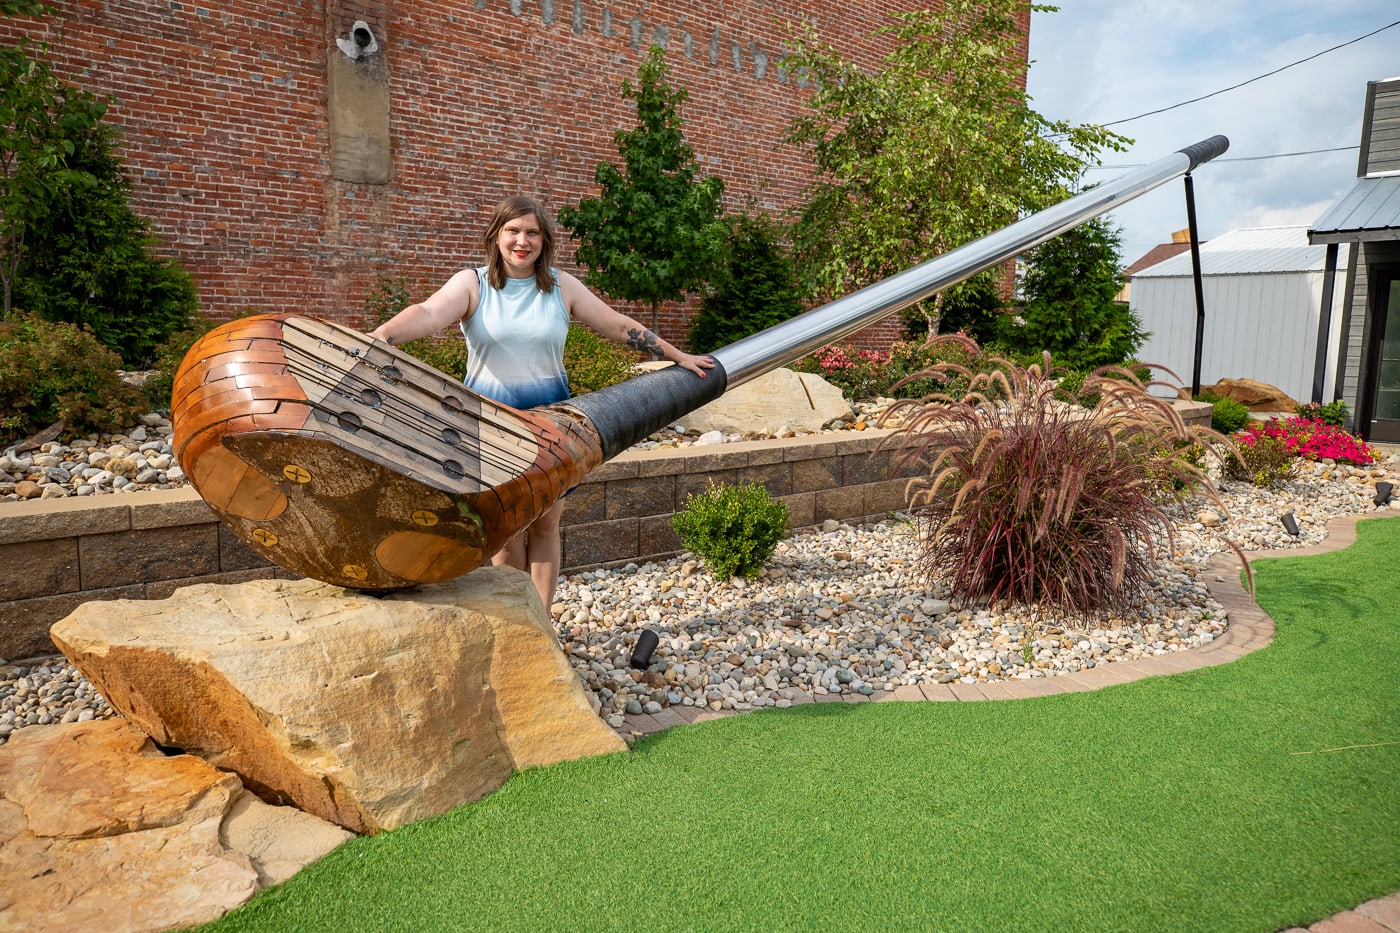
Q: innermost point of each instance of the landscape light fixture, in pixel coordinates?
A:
(641, 654)
(1290, 524)
(1383, 493)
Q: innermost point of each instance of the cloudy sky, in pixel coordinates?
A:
(1098, 61)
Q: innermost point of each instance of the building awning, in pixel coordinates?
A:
(1370, 211)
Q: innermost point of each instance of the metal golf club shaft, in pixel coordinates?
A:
(626, 413)
(350, 462)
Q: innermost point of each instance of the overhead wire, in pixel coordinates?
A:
(1255, 78)
(1262, 158)
(1282, 155)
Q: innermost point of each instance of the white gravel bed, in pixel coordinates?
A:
(844, 610)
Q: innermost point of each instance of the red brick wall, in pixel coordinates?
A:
(223, 108)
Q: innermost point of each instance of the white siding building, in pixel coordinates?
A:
(1262, 291)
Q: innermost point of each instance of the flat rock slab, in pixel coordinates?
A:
(367, 712)
(781, 400)
(100, 830)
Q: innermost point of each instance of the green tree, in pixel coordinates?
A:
(934, 149)
(976, 308)
(71, 248)
(752, 289)
(1069, 284)
(38, 118)
(654, 233)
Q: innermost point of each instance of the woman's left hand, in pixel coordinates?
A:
(696, 364)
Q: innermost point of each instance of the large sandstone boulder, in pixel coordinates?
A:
(1253, 394)
(771, 403)
(367, 712)
(99, 830)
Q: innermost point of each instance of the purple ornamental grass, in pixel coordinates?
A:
(1027, 497)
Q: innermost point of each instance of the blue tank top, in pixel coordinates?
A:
(515, 343)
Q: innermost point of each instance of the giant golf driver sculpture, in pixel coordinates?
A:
(345, 460)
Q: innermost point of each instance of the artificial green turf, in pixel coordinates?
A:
(1251, 796)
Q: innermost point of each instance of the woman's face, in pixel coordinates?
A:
(520, 241)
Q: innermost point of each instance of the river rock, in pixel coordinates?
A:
(99, 830)
(779, 401)
(367, 712)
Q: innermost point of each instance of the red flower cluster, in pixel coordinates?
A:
(833, 358)
(1311, 439)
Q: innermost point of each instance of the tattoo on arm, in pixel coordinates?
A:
(645, 341)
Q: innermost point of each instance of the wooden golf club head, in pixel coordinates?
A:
(348, 461)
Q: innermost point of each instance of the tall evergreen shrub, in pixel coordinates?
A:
(71, 247)
(753, 289)
(1069, 286)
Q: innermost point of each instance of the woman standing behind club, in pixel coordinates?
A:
(515, 313)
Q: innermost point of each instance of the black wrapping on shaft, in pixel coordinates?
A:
(1205, 150)
(627, 412)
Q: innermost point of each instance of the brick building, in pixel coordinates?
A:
(288, 160)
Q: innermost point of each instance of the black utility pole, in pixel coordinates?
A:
(1200, 294)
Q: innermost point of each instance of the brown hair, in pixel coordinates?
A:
(506, 211)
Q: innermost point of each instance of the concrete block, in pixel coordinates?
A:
(814, 474)
(886, 497)
(656, 537)
(149, 555)
(649, 495)
(47, 519)
(600, 543)
(625, 466)
(763, 452)
(801, 509)
(693, 484)
(841, 503)
(585, 504)
(166, 508)
(28, 570)
(25, 623)
(865, 467)
(774, 477)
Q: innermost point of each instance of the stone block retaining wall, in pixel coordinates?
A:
(57, 554)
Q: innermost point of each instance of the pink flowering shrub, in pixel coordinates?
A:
(857, 373)
(1311, 439)
(1261, 459)
(907, 370)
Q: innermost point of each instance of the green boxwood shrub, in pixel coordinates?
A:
(594, 363)
(1229, 415)
(734, 529)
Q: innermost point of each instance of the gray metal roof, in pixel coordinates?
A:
(1369, 211)
(1247, 251)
